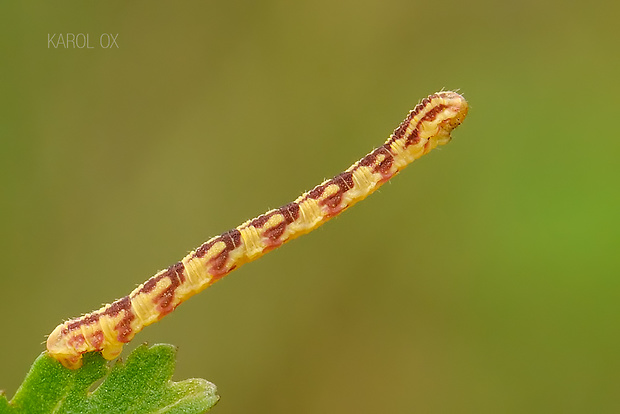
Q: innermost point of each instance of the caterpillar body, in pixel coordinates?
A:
(429, 124)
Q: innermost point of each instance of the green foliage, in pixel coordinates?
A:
(140, 385)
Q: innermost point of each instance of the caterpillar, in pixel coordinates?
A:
(428, 125)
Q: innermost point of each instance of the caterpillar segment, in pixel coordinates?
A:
(428, 125)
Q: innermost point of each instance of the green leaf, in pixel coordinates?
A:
(140, 385)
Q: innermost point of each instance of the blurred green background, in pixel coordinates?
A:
(484, 279)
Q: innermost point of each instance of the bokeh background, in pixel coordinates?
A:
(484, 279)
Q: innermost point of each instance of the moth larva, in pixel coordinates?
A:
(429, 124)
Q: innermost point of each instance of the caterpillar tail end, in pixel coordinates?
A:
(58, 349)
(68, 345)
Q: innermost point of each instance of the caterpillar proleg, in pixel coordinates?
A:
(428, 125)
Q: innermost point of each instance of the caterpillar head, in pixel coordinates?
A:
(448, 111)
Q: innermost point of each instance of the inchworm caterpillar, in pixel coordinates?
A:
(429, 124)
